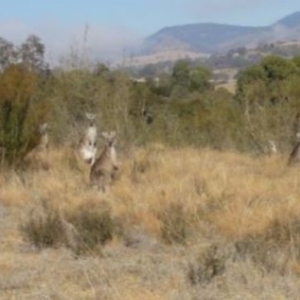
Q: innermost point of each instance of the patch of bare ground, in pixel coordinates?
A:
(230, 85)
(176, 224)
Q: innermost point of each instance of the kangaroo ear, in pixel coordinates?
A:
(113, 134)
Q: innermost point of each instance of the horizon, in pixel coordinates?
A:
(107, 29)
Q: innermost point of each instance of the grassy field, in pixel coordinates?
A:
(192, 224)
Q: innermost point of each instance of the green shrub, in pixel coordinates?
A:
(20, 113)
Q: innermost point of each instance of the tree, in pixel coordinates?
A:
(199, 79)
(148, 71)
(8, 53)
(180, 74)
(163, 88)
(32, 53)
(185, 79)
(296, 61)
(266, 83)
(277, 68)
(20, 112)
(100, 69)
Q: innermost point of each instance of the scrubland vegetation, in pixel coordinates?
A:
(201, 208)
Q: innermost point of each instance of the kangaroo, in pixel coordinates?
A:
(87, 145)
(43, 145)
(105, 167)
(37, 156)
(295, 155)
(273, 148)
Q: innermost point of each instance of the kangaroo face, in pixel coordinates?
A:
(43, 128)
(109, 138)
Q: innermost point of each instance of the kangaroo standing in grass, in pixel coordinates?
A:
(87, 145)
(272, 147)
(44, 139)
(295, 154)
(38, 154)
(43, 143)
(105, 167)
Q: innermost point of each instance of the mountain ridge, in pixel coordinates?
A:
(217, 38)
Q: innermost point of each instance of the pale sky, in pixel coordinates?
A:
(116, 24)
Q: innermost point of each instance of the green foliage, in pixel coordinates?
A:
(20, 112)
(296, 61)
(266, 80)
(149, 71)
(277, 68)
(178, 108)
(32, 53)
(180, 74)
(199, 77)
(185, 79)
(164, 88)
(268, 95)
(7, 53)
(252, 74)
(79, 91)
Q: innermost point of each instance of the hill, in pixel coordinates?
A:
(204, 39)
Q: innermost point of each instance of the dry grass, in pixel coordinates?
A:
(164, 55)
(197, 224)
(230, 86)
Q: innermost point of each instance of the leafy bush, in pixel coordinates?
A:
(181, 108)
(20, 112)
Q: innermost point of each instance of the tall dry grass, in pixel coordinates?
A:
(196, 224)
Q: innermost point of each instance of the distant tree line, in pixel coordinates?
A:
(182, 107)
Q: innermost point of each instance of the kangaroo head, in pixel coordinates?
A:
(109, 138)
(91, 117)
(43, 128)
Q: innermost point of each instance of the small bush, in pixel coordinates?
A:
(83, 231)
(275, 248)
(20, 112)
(209, 264)
(174, 223)
(95, 226)
(43, 227)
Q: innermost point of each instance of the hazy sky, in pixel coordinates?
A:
(115, 24)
